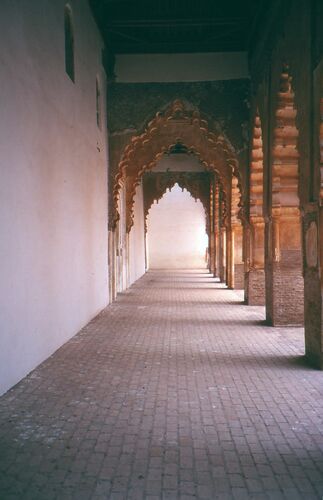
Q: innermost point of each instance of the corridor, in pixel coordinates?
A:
(176, 390)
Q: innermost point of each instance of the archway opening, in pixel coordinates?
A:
(180, 132)
(176, 232)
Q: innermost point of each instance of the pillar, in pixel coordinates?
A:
(211, 251)
(229, 257)
(222, 254)
(217, 231)
(313, 236)
(235, 266)
(112, 264)
(238, 265)
(211, 229)
(255, 279)
(284, 279)
(313, 283)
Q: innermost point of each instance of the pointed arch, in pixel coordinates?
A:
(197, 184)
(176, 233)
(177, 125)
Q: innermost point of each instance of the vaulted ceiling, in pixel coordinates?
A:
(177, 26)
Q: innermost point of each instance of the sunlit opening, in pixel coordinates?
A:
(176, 236)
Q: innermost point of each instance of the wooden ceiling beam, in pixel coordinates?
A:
(174, 23)
(176, 47)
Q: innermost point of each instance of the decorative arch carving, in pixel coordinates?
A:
(285, 173)
(177, 125)
(197, 184)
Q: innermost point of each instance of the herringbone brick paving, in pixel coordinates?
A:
(177, 390)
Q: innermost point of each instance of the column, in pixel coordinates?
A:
(256, 269)
(284, 279)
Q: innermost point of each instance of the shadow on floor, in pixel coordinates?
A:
(269, 361)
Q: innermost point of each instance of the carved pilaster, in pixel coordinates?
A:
(234, 241)
(217, 229)
(285, 290)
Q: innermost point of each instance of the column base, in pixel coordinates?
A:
(287, 300)
(256, 287)
(239, 276)
(313, 319)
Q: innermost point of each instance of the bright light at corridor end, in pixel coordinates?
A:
(203, 240)
(176, 232)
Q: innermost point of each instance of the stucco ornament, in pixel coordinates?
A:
(176, 124)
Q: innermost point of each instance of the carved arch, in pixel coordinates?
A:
(285, 169)
(176, 125)
(197, 184)
(205, 207)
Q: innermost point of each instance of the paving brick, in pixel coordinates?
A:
(175, 391)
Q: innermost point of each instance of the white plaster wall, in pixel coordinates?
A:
(137, 239)
(139, 68)
(53, 208)
(176, 232)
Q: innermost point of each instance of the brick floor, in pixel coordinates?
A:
(177, 390)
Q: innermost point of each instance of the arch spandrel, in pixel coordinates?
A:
(175, 125)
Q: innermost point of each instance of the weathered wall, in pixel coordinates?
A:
(176, 232)
(137, 239)
(53, 209)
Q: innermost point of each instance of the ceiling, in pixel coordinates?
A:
(176, 26)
